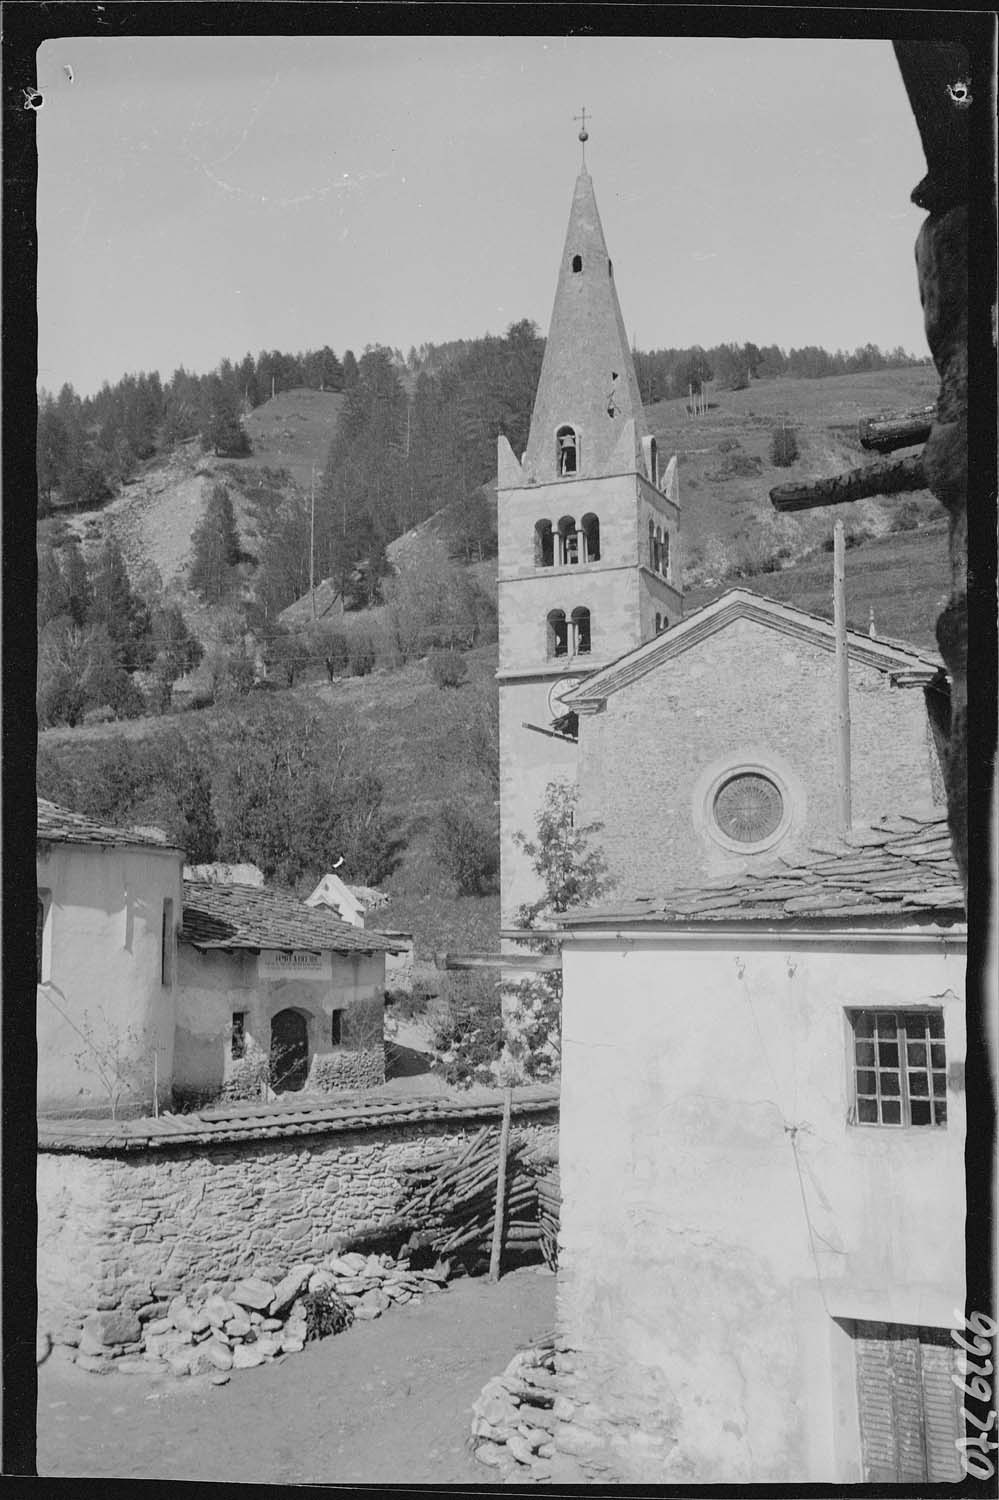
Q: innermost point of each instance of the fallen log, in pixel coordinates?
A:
(897, 477)
(896, 430)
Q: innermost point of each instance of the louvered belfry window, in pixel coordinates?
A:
(908, 1404)
(899, 1067)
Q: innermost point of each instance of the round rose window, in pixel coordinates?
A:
(748, 808)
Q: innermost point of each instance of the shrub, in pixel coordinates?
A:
(783, 446)
(447, 668)
(468, 849)
(325, 1313)
(362, 654)
(406, 1005)
(334, 648)
(468, 1035)
(906, 517)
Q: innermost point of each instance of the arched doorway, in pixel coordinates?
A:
(289, 1051)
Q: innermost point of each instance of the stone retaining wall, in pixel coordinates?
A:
(120, 1228)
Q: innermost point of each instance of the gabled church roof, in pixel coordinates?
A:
(907, 664)
(588, 376)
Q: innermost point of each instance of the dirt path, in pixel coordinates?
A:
(387, 1402)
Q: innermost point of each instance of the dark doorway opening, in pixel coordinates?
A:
(289, 1051)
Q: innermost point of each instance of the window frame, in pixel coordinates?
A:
(168, 944)
(237, 1035)
(898, 1036)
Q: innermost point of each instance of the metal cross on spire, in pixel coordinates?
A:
(584, 134)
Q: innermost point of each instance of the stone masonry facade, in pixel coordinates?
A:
(122, 1229)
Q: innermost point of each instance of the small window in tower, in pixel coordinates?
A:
(581, 631)
(654, 462)
(658, 556)
(577, 262)
(610, 268)
(566, 451)
(590, 532)
(659, 622)
(665, 556)
(544, 544)
(558, 633)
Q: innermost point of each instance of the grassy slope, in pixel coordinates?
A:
(724, 511)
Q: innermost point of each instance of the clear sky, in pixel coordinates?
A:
(204, 196)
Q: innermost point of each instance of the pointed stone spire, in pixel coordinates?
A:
(588, 380)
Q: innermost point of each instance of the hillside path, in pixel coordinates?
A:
(387, 1402)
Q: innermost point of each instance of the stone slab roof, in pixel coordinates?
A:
(246, 916)
(281, 1118)
(60, 825)
(902, 867)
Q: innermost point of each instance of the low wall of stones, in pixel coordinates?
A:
(134, 1213)
(348, 1068)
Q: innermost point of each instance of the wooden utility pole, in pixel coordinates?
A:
(504, 1146)
(842, 680)
(312, 544)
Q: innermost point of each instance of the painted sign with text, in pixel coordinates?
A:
(276, 964)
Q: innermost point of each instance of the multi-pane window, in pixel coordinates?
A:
(899, 1067)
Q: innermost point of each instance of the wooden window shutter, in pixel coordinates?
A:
(941, 1409)
(908, 1406)
(874, 1389)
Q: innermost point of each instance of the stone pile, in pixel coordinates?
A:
(539, 1423)
(233, 1325)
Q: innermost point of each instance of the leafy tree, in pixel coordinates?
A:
(290, 796)
(287, 653)
(692, 372)
(468, 850)
(349, 370)
(52, 598)
(730, 369)
(571, 870)
(223, 432)
(783, 446)
(215, 548)
(121, 611)
(572, 873)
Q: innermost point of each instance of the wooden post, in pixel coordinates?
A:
(504, 1146)
(842, 680)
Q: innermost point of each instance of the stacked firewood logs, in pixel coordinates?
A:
(455, 1198)
(549, 1202)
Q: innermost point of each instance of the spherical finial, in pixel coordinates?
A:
(584, 136)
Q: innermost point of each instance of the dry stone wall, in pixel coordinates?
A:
(122, 1229)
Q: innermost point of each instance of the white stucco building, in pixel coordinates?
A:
(762, 1139)
(270, 986)
(109, 905)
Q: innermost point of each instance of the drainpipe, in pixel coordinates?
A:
(842, 681)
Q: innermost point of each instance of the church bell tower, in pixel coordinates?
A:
(588, 536)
